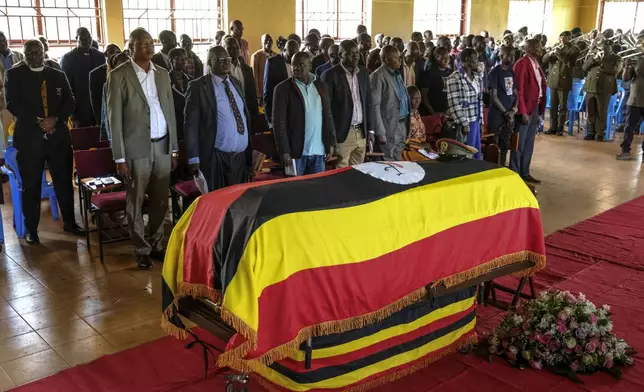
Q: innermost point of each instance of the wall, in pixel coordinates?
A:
(113, 11)
(588, 10)
(276, 17)
(394, 18)
(565, 16)
(490, 15)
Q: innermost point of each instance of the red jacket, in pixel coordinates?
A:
(527, 87)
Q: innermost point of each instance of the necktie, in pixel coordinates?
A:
(234, 107)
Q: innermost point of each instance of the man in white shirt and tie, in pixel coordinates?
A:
(144, 142)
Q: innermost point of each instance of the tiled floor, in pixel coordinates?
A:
(60, 307)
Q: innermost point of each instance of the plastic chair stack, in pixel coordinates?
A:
(15, 182)
(576, 100)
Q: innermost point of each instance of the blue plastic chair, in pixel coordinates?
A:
(15, 182)
(576, 103)
(614, 105)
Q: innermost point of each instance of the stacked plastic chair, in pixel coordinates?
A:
(10, 168)
(615, 104)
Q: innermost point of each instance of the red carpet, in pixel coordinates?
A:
(602, 257)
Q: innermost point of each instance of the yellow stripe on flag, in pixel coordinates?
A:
(300, 241)
(172, 266)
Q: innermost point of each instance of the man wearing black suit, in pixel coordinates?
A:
(41, 100)
(77, 64)
(97, 79)
(169, 41)
(244, 74)
(278, 69)
(304, 129)
(350, 97)
(323, 56)
(216, 125)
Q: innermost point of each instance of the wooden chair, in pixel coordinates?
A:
(87, 138)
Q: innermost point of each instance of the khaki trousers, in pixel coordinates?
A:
(150, 176)
(353, 150)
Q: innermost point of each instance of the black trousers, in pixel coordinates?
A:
(502, 138)
(634, 118)
(226, 169)
(60, 161)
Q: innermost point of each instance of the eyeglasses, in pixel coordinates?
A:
(224, 60)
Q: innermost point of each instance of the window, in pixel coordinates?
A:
(535, 14)
(625, 15)
(197, 18)
(57, 20)
(442, 17)
(338, 18)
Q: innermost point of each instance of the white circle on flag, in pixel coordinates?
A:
(394, 172)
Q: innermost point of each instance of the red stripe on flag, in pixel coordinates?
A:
(339, 292)
(206, 221)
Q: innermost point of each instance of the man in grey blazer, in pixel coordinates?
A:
(390, 104)
(144, 141)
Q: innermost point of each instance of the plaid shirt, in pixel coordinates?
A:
(464, 98)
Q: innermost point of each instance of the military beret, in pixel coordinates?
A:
(565, 34)
(454, 148)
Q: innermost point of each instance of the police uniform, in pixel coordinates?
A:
(31, 95)
(601, 84)
(560, 78)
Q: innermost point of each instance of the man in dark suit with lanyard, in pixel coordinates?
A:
(41, 100)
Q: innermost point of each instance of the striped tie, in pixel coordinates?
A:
(234, 107)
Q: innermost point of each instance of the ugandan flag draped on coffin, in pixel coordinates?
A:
(329, 253)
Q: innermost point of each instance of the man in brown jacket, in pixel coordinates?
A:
(561, 62)
(634, 71)
(601, 84)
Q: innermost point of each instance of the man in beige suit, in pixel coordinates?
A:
(144, 141)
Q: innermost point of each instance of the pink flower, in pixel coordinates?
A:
(562, 316)
(526, 326)
(561, 327)
(574, 366)
(593, 318)
(603, 348)
(554, 345)
(569, 296)
(536, 364)
(591, 347)
(608, 362)
(578, 349)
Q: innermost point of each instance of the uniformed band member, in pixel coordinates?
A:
(634, 73)
(601, 84)
(41, 100)
(561, 63)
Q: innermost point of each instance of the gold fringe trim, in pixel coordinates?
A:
(468, 339)
(198, 290)
(171, 329)
(526, 255)
(234, 359)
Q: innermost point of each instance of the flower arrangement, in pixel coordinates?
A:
(562, 332)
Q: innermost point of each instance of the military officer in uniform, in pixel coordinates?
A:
(561, 63)
(41, 100)
(601, 84)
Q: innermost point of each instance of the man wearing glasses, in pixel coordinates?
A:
(216, 125)
(144, 142)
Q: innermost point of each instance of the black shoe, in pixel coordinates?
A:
(144, 262)
(531, 179)
(552, 131)
(560, 133)
(589, 137)
(75, 230)
(32, 238)
(158, 255)
(600, 138)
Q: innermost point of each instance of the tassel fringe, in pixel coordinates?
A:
(526, 255)
(468, 339)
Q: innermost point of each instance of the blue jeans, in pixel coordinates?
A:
(309, 164)
(521, 158)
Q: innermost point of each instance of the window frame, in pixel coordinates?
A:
(301, 22)
(463, 26)
(545, 16)
(39, 23)
(599, 23)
